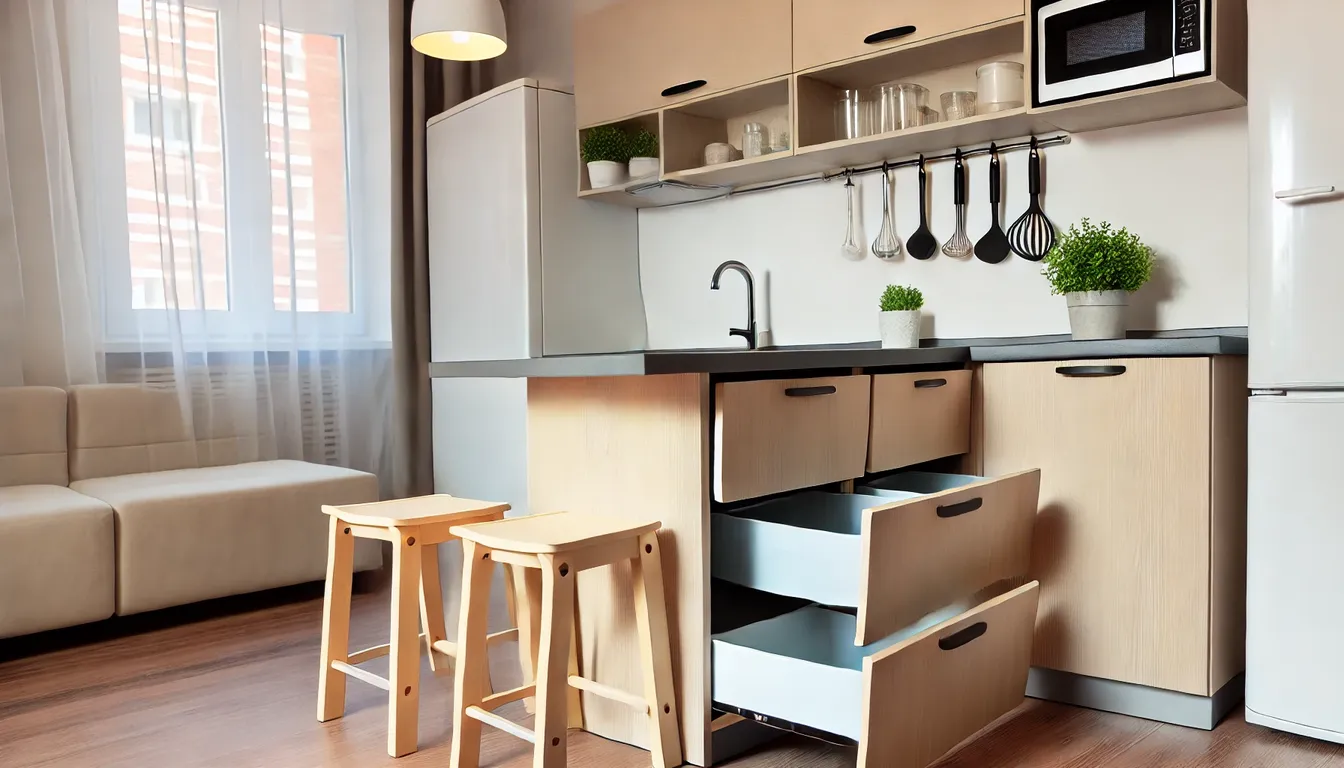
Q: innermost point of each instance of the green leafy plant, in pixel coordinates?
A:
(644, 144)
(1098, 258)
(899, 298)
(606, 142)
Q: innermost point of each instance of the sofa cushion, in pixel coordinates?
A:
(193, 534)
(56, 559)
(122, 429)
(32, 441)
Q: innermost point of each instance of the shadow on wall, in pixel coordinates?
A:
(1162, 287)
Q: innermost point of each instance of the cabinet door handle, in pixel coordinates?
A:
(957, 639)
(961, 507)
(889, 34)
(1090, 371)
(808, 391)
(930, 383)
(681, 88)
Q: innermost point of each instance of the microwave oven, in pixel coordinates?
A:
(1086, 48)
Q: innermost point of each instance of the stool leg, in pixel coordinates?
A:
(431, 606)
(527, 586)
(557, 622)
(335, 621)
(651, 616)
(404, 662)
(472, 664)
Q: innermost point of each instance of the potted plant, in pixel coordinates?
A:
(1096, 268)
(643, 154)
(605, 149)
(899, 318)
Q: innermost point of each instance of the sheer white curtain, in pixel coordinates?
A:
(225, 196)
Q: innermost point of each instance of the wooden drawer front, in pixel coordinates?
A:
(895, 555)
(1122, 540)
(627, 54)
(918, 417)
(906, 699)
(826, 31)
(775, 436)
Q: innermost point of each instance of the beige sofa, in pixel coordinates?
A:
(107, 507)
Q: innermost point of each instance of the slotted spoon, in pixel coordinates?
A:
(1032, 235)
(959, 247)
(922, 245)
(993, 247)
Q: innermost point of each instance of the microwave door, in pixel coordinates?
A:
(1092, 47)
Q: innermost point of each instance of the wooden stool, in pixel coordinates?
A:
(559, 545)
(414, 527)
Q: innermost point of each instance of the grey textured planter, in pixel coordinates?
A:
(1097, 314)
(900, 330)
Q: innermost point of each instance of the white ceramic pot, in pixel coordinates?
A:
(643, 167)
(605, 173)
(1097, 314)
(900, 330)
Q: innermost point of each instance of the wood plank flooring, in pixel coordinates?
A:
(232, 684)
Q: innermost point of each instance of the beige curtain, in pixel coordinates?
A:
(422, 87)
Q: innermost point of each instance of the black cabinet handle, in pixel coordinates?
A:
(930, 383)
(681, 88)
(961, 507)
(889, 34)
(1090, 371)
(957, 639)
(808, 391)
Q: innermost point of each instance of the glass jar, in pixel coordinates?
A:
(959, 105)
(900, 106)
(853, 115)
(1000, 86)
(754, 141)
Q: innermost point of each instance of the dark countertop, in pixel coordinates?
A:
(1202, 342)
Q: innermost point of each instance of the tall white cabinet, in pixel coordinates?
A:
(519, 267)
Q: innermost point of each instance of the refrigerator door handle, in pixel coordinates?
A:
(1305, 194)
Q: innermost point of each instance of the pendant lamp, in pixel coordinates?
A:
(458, 30)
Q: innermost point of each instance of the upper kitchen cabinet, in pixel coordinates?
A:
(640, 55)
(826, 31)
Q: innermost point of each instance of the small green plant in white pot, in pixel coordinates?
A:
(606, 150)
(643, 154)
(1095, 268)
(899, 316)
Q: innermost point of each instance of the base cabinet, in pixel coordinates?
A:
(1140, 538)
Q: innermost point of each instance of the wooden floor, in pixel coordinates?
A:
(197, 688)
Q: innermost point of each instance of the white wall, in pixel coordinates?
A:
(1180, 184)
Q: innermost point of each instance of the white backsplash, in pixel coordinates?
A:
(1180, 184)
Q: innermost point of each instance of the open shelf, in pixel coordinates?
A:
(619, 194)
(940, 65)
(1160, 102)
(688, 128)
(631, 125)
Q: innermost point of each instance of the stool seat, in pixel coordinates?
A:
(424, 510)
(552, 532)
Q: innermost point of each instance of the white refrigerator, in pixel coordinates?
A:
(519, 267)
(1295, 531)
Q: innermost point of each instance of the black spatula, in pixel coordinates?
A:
(922, 245)
(993, 247)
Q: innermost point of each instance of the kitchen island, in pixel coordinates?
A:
(1138, 518)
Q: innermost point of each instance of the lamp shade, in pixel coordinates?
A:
(459, 30)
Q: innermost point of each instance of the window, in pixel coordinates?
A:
(237, 175)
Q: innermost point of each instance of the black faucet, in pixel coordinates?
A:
(748, 333)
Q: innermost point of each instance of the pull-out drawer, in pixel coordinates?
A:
(782, 435)
(906, 699)
(927, 541)
(919, 417)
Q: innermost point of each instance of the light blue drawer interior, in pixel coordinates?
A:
(808, 545)
(903, 484)
(803, 667)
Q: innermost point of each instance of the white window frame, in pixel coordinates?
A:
(97, 101)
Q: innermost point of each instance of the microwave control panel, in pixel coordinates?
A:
(1188, 26)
